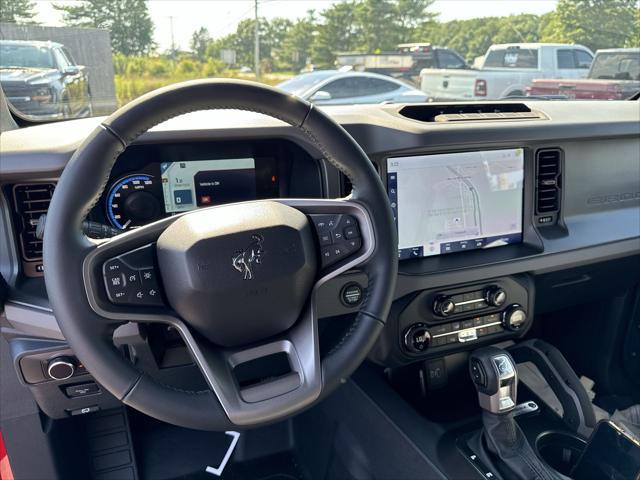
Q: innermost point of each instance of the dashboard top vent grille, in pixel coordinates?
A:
(470, 113)
(548, 170)
(30, 201)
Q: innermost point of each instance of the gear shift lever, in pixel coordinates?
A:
(501, 441)
(494, 374)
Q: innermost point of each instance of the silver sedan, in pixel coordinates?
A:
(333, 87)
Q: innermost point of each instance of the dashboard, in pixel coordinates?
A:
(498, 219)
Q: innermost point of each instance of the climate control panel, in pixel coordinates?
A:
(447, 319)
(448, 305)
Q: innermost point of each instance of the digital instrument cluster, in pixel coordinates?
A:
(166, 188)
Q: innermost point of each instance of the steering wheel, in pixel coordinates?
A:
(238, 281)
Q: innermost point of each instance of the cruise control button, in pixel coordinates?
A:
(132, 277)
(112, 266)
(116, 281)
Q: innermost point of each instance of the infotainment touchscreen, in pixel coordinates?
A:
(201, 183)
(456, 202)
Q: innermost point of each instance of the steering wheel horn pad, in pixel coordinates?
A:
(197, 252)
(272, 251)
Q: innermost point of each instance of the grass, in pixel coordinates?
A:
(130, 87)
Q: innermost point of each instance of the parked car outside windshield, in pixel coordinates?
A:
(63, 59)
(350, 88)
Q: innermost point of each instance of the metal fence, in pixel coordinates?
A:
(90, 47)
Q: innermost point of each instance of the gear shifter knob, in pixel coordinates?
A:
(494, 375)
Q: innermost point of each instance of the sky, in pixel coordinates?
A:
(221, 17)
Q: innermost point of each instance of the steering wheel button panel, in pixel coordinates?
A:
(338, 236)
(131, 279)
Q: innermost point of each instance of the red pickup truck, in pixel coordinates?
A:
(614, 75)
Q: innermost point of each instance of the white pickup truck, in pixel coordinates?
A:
(507, 71)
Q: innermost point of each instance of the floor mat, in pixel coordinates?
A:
(276, 467)
(167, 452)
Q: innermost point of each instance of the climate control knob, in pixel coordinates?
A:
(514, 317)
(443, 306)
(496, 297)
(417, 338)
(61, 368)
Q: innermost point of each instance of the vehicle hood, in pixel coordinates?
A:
(26, 75)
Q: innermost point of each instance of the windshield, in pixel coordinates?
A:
(620, 66)
(25, 56)
(515, 57)
(97, 55)
(304, 82)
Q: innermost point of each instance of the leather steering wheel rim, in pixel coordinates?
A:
(81, 185)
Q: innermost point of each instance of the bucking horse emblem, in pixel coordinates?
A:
(245, 260)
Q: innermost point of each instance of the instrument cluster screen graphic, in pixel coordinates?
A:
(202, 183)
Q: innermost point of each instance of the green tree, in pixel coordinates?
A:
(375, 23)
(128, 21)
(594, 23)
(336, 32)
(409, 15)
(17, 11)
(295, 50)
(200, 40)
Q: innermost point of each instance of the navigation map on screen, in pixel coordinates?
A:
(455, 202)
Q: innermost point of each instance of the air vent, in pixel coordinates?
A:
(548, 176)
(31, 201)
(470, 113)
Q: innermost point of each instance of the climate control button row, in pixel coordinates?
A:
(418, 337)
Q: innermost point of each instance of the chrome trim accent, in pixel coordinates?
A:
(465, 329)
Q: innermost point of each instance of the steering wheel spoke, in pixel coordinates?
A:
(122, 279)
(256, 383)
(343, 231)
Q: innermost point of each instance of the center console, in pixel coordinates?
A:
(440, 321)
